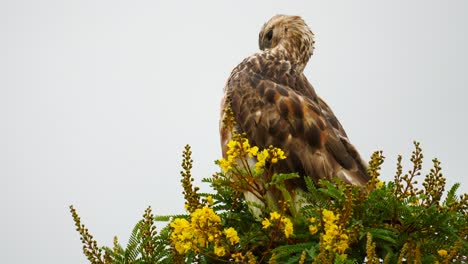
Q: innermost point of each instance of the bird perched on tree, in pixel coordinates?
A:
(273, 103)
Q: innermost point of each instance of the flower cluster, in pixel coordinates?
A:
(203, 230)
(271, 154)
(238, 148)
(334, 238)
(280, 222)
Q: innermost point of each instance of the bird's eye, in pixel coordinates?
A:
(269, 35)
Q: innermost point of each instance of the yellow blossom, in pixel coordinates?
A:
(202, 229)
(442, 252)
(182, 235)
(225, 165)
(266, 223)
(232, 144)
(253, 151)
(276, 154)
(211, 238)
(236, 147)
(341, 245)
(274, 216)
(239, 148)
(281, 222)
(329, 216)
(245, 144)
(238, 257)
(231, 234)
(262, 158)
(219, 250)
(313, 229)
(287, 226)
(334, 238)
(205, 217)
(209, 200)
(180, 224)
(280, 154)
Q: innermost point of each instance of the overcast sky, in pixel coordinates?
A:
(98, 99)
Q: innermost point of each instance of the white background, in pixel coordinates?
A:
(98, 98)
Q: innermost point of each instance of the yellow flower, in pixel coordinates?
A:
(209, 200)
(234, 150)
(203, 230)
(288, 226)
(231, 145)
(329, 216)
(181, 235)
(245, 144)
(334, 238)
(238, 257)
(211, 238)
(183, 247)
(277, 154)
(262, 158)
(225, 165)
(274, 216)
(280, 154)
(328, 240)
(266, 223)
(219, 250)
(313, 229)
(231, 234)
(179, 223)
(342, 244)
(253, 151)
(239, 147)
(442, 252)
(204, 217)
(282, 222)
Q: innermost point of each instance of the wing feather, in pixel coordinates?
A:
(271, 112)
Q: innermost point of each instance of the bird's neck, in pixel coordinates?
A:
(297, 53)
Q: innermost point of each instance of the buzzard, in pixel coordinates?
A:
(273, 103)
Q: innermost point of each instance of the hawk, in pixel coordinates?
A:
(273, 103)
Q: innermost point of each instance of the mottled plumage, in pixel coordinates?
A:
(274, 104)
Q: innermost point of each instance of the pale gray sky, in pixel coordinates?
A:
(98, 98)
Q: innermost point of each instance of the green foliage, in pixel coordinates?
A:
(394, 222)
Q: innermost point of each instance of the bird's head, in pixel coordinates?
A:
(288, 33)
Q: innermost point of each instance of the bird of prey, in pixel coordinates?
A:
(273, 103)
